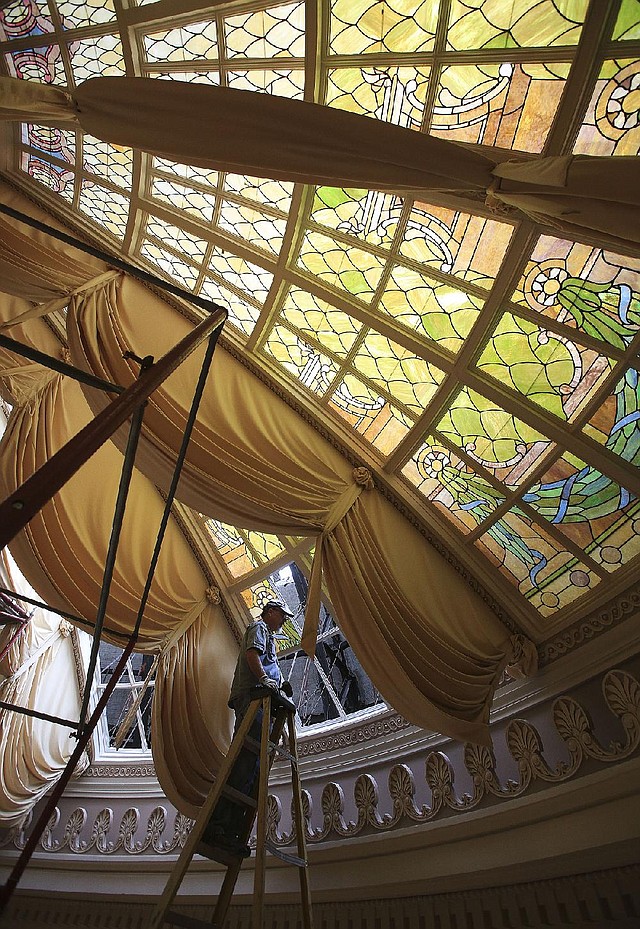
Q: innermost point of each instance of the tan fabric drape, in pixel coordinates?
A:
(254, 462)
(35, 751)
(268, 136)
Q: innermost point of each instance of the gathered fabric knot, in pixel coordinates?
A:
(36, 311)
(362, 477)
(65, 628)
(65, 355)
(213, 595)
(523, 659)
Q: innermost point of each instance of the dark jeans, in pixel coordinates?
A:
(227, 815)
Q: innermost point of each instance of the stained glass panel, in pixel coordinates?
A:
(372, 415)
(188, 77)
(616, 424)
(469, 247)
(197, 203)
(241, 313)
(178, 238)
(97, 57)
(110, 210)
(627, 25)
(52, 141)
(193, 42)
(339, 265)
(546, 574)
(19, 18)
(107, 161)
(57, 179)
(438, 311)
(502, 444)
(396, 95)
(281, 83)
(169, 265)
(595, 512)
(201, 175)
(260, 229)
(584, 288)
(551, 370)
(244, 275)
(335, 330)
(43, 65)
(507, 105)
(612, 123)
(367, 215)
(76, 13)
(409, 380)
(518, 24)
(358, 26)
(243, 551)
(301, 359)
(274, 193)
(464, 497)
(271, 33)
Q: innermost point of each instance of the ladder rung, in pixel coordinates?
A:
(254, 745)
(285, 856)
(189, 922)
(238, 797)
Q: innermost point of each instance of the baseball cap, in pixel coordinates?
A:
(273, 604)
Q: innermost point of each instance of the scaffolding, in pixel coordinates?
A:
(21, 506)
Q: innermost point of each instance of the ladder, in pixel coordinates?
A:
(278, 708)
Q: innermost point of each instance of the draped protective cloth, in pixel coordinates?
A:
(292, 140)
(34, 750)
(62, 553)
(254, 462)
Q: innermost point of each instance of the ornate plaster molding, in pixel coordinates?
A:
(355, 735)
(621, 691)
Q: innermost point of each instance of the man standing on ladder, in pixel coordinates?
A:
(257, 666)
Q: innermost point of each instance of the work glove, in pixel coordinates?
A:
(286, 689)
(267, 681)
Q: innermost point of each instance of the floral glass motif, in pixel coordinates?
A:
(242, 314)
(105, 207)
(367, 215)
(584, 288)
(271, 33)
(281, 82)
(596, 513)
(242, 551)
(612, 123)
(304, 361)
(431, 309)
(396, 94)
(106, 161)
(387, 26)
(551, 370)
(192, 42)
(469, 247)
(518, 24)
(56, 178)
(100, 56)
(20, 18)
(507, 105)
(261, 230)
(58, 142)
(616, 423)
(335, 330)
(549, 576)
(342, 266)
(76, 13)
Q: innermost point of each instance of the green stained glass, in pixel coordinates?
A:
(282, 82)
(367, 215)
(464, 497)
(335, 330)
(627, 25)
(308, 365)
(497, 440)
(408, 379)
(245, 276)
(261, 230)
(266, 545)
(616, 424)
(186, 199)
(242, 314)
(108, 161)
(591, 509)
(57, 179)
(518, 24)
(438, 311)
(358, 26)
(76, 13)
(468, 247)
(51, 141)
(200, 175)
(550, 370)
(173, 267)
(179, 239)
(396, 95)
(110, 210)
(273, 193)
(584, 288)
(339, 265)
(270, 33)
(546, 574)
(98, 57)
(380, 422)
(243, 550)
(612, 122)
(507, 105)
(195, 41)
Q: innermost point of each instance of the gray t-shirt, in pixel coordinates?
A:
(258, 636)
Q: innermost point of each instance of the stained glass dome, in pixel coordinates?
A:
(485, 370)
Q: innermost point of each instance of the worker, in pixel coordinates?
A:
(257, 665)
